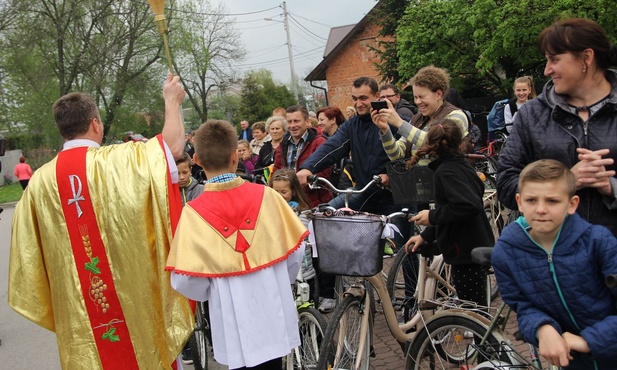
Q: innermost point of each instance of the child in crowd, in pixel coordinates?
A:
(550, 266)
(246, 155)
(523, 90)
(189, 190)
(458, 222)
(189, 187)
(286, 183)
(229, 250)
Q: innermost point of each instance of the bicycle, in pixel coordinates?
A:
(347, 341)
(201, 338)
(460, 336)
(311, 324)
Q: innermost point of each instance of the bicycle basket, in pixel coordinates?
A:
(411, 185)
(349, 245)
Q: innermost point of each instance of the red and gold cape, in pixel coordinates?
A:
(232, 229)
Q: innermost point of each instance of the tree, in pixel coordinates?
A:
(261, 95)
(493, 38)
(387, 15)
(107, 48)
(206, 50)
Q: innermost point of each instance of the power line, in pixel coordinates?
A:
(310, 20)
(226, 15)
(309, 31)
(275, 61)
(310, 41)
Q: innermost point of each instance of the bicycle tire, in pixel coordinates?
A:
(448, 345)
(401, 284)
(199, 339)
(312, 325)
(350, 312)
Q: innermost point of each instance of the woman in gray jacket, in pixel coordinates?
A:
(573, 121)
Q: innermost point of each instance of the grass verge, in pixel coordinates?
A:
(10, 193)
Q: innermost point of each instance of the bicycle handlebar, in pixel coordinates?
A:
(314, 182)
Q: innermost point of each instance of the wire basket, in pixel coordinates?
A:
(349, 245)
(410, 185)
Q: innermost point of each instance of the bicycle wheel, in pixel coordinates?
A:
(312, 325)
(401, 283)
(452, 344)
(200, 337)
(340, 348)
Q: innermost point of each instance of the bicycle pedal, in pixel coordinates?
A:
(373, 354)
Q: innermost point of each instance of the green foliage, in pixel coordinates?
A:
(387, 15)
(493, 39)
(261, 95)
(104, 47)
(226, 107)
(10, 192)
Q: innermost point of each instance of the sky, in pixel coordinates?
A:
(309, 23)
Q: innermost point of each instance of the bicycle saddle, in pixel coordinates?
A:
(482, 256)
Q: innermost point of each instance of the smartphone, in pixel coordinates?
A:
(379, 104)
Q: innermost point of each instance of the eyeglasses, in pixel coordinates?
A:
(388, 96)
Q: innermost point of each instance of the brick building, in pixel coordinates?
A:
(347, 56)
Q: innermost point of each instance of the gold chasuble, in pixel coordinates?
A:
(90, 238)
(232, 229)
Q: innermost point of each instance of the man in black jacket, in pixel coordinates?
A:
(247, 131)
(402, 106)
(360, 136)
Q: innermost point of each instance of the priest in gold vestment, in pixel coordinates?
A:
(90, 239)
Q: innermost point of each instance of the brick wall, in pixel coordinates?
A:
(355, 60)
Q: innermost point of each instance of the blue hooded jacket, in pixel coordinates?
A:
(564, 288)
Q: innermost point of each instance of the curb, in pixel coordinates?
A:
(8, 205)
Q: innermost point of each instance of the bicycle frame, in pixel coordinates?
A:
(431, 276)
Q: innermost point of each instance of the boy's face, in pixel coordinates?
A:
(545, 205)
(184, 174)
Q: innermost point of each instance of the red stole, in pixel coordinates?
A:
(107, 320)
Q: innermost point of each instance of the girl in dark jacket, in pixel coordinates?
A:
(458, 223)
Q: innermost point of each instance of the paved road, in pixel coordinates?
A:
(25, 345)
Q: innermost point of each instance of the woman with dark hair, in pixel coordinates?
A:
(573, 120)
(23, 171)
(330, 118)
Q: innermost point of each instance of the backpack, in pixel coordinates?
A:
(496, 117)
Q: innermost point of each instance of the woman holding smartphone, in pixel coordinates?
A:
(429, 86)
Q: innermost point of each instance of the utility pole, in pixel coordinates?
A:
(294, 83)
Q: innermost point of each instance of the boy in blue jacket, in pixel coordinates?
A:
(550, 266)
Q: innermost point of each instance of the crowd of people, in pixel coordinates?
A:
(176, 207)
